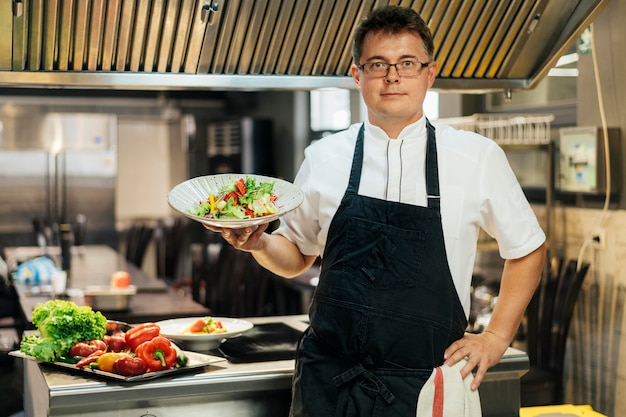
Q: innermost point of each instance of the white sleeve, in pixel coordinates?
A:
(301, 226)
(506, 213)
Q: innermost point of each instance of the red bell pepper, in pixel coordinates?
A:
(158, 354)
(141, 333)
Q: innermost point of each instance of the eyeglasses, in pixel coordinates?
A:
(404, 68)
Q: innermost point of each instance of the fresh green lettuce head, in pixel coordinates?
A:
(62, 324)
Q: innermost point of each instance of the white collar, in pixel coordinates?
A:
(413, 131)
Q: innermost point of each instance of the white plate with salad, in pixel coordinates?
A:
(209, 335)
(234, 200)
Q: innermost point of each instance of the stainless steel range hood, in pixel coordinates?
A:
(482, 45)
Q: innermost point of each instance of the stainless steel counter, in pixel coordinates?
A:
(225, 389)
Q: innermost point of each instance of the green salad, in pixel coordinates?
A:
(244, 198)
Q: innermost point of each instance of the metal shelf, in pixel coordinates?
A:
(515, 133)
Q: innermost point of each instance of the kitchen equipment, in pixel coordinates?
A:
(105, 298)
(265, 342)
(273, 44)
(54, 166)
(582, 162)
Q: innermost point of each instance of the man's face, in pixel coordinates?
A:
(394, 99)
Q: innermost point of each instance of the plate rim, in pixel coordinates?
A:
(236, 222)
(205, 337)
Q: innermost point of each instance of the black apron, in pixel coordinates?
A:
(385, 308)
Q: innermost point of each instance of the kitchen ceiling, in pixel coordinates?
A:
(482, 45)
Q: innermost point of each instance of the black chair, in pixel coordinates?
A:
(170, 238)
(230, 282)
(548, 319)
(138, 237)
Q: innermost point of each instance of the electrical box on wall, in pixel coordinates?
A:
(582, 166)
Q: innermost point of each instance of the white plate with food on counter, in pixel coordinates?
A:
(202, 334)
(235, 200)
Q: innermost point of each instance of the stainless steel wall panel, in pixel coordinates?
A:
(324, 32)
(124, 34)
(467, 39)
(181, 37)
(294, 27)
(278, 36)
(346, 55)
(560, 15)
(266, 32)
(328, 37)
(196, 36)
(140, 28)
(153, 37)
(425, 9)
(497, 68)
(6, 34)
(304, 38)
(502, 28)
(336, 39)
(225, 34)
(66, 28)
(50, 30)
(211, 36)
(489, 24)
(241, 29)
(111, 24)
(461, 11)
(167, 36)
(80, 35)
(256, 37)
(96, 28)
(478, 42)
(524, 32)
(21, 12)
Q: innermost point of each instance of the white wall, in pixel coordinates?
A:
(143, 178)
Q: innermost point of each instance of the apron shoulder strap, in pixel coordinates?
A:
(432, 170)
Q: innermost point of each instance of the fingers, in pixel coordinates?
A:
(478, 352)
(247, 238)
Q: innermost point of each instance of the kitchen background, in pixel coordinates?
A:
(163, 138)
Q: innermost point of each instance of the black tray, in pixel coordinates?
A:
(264, 342)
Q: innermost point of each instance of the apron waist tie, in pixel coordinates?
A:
(375, 386)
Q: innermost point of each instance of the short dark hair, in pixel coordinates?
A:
(392, 20)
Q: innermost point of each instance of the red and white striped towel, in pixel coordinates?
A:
(446, 394)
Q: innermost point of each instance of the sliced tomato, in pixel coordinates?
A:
(241, 186)
(234, 196)
(249, 212)
(197, 326)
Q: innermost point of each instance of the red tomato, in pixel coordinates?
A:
(115, 343)
(241, 186)
(85, 349)
(197, 326)
(120, 279)
(234, 196)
